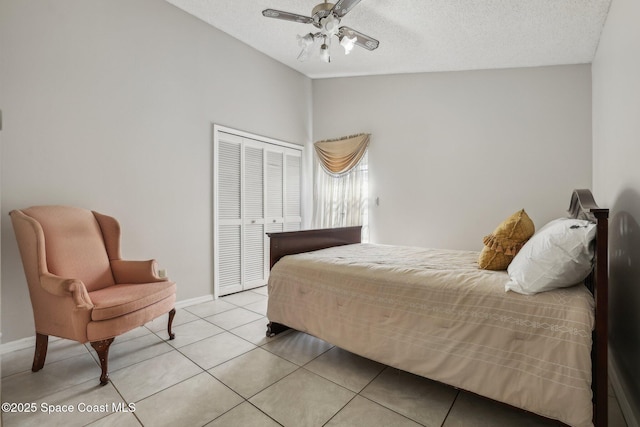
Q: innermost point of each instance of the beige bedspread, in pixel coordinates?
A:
(436, 314)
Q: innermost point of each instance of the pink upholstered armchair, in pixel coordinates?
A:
(80, 287)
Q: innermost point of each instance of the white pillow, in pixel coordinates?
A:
(558, 256)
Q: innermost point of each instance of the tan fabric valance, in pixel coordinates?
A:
(341, 155)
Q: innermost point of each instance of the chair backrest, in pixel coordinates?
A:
(74, 245)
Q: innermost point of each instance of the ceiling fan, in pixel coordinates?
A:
(326, 17)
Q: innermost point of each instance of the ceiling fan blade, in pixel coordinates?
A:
(287, 16)
(342, 7)
(362, 40)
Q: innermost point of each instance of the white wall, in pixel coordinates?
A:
(453, 154)
(616, 181)
(109, 105)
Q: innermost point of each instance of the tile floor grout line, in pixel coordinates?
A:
(67, 386)
(274, 383)
(451, 407)
(391, 409)
(125, 401)
(256, 393)
(261, 411)
(32, 351)
(340, 410)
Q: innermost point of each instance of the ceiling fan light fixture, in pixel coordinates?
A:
(305, 41)
(348, 43)
(326, 18)
(324, 52)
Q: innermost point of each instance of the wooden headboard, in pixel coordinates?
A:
(583, 206)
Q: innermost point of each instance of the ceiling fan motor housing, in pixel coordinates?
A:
(320, 11)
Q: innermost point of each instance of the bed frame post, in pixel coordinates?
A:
(583, 206)
(601, 295)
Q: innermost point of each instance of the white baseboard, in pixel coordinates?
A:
(193, 301)
(16, 345)
(621, 394)
(27, 342)
(22, 343)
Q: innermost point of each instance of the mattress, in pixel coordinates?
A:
(434, 313)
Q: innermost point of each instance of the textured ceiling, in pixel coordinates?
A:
(421, 35)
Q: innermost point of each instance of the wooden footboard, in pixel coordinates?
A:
(295, 242)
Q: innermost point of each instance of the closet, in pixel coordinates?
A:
(256, 185)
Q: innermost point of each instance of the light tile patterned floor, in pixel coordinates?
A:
(221, 370)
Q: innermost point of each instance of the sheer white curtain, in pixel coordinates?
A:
(341, 199)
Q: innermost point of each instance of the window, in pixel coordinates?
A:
(342, 200)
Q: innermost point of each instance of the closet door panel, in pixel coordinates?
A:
(229, 238)
(229, 263)
(257, 191)
(293, 210)
(253, 184)
(253, 216)
(292, 226)
(229, 182)
(254, 254)
(275, 186)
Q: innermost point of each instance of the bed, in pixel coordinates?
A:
(434, 313)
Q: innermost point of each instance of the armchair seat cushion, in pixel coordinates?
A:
(121, 299)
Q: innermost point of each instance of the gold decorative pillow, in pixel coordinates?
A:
(506, 240)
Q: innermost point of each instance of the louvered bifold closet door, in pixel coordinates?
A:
(229, 238)
(275, 190)
(253, 217)
(251, 178)
(293, 215)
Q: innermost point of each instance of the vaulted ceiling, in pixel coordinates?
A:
(421, 35)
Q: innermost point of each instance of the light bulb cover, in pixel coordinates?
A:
(348, 43)
(324, 53)
(305, 41)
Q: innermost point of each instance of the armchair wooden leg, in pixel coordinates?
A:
(102, 348)
(42, 343)
(172, 314)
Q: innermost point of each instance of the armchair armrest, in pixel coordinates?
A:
(62, 287)
(125, 271)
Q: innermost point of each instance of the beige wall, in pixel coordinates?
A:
(109, 105)
(616, 158)
(452, 154)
